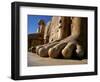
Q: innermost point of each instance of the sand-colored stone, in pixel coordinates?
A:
(64, 36)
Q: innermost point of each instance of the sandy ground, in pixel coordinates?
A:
(35, 60)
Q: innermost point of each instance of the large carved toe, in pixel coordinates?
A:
(68, 50)
(43, 52)
(37, 49)
(53, 53)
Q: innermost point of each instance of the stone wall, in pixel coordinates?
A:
(34, 40)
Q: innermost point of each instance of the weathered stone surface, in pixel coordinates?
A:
(76, 36)
(64, 36)
(59, 28)
(68, 50)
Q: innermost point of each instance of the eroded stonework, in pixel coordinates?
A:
(63, 37)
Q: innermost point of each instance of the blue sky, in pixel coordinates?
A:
(33, 22)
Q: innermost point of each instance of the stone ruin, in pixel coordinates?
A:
(62, 37)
